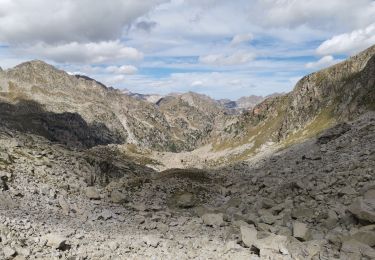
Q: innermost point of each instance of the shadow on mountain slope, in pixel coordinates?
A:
(66, 128)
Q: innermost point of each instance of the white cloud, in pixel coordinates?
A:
(349, 43)
(125, 69)
(67, 21)
(241, 38)
(83, 52)
(115, 79)
(321, 14)
(323, 62)
(197, 83)
(215, 84)
(237, 58)
(92, 35)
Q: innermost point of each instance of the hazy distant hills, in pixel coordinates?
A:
(242, 103)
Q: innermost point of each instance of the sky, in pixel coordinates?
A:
(221, 48)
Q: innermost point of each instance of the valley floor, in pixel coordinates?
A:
(314, 200)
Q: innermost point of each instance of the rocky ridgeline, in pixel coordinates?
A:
(318, 101)
(120, 118)
(180, 122)
(314, 200)
(68, 190)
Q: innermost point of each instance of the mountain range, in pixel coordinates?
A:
(92, 172)
(39, 98)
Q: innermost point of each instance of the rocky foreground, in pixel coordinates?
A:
(315, 200)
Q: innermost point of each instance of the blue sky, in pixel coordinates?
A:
(225, 49)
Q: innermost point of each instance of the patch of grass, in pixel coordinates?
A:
(324, 120)
(141, 157)
(259, 134)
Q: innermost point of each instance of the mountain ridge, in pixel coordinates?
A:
(185, 122)
(292, 178)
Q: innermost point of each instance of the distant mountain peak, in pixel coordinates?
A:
(35, 64)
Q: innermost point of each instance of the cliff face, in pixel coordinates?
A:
(318, 101)
(338, 93)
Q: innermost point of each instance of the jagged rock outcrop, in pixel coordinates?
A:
(193, 117)
(128, 119)
(318, 101)
(338, 93)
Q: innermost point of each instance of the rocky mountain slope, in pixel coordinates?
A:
(314, 200)
(297, 175)
(245, 103)
(233, 106)
(114, 116)
(318, 101)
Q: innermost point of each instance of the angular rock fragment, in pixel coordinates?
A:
(118, 197)
(212, 219)
(363, 209)
(301, 231)
(248, 235)
(9, 252)
(55, 241)
(92, 193)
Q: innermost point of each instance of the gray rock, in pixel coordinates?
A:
(151, 240)
(272, 244)
(185, 200)
(105, 215)
(248, 235)
(118, 197)
(363, 209)
(300, 231)
(55, 241)
(113, 245)
(353, 250)
(92, 193)
(302, 212)
(9, 252)
(347, 191)
(331, 221)
(139, 219)
(365, 235)
(370, 194)
(212, 219)
(64, 205)
(268, 219)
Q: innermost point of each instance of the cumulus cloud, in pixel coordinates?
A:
(67, 21)
(172, 33)
(323, 62)
(237, 58)
(115, 79)
(320, 14)
(197, 83)
(241, 38)
(349, 43)
(215, 84)
(83, 52)
(125, 69)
